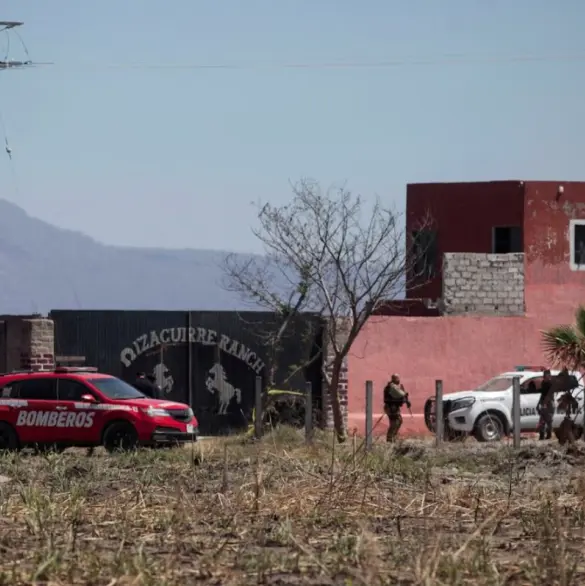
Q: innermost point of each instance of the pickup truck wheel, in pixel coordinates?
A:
(120, 437)
(488, 428)
(8, 438)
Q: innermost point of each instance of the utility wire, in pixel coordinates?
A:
(461, 59)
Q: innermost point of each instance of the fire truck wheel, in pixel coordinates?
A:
(8, 438)
(120, 436)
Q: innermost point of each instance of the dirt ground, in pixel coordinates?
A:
(279, 513)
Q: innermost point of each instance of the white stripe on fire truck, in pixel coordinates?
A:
(104, 407)
(14, 402)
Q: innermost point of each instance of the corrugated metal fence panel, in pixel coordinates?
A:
(101, 336)
(181, 349)
(224, 382)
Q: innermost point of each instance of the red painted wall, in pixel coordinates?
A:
(466, 350)
(462, 351)
(464, 215)
(553, 290)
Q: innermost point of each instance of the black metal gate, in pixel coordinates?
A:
(208, 360)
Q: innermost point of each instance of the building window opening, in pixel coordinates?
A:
(425, 254)
(577, 244)
(507, 239)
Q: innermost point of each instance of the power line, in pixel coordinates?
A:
(340, 64)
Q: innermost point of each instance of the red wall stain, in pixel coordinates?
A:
(464, 215)
(550, 284)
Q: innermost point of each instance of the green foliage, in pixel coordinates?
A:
(564, 345)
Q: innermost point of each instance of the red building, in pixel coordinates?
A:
(503, 260)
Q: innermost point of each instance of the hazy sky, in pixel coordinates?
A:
(173, 157)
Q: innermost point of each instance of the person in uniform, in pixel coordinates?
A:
(159, 391)
(145, 386)
(546, 407)
(394, 397)
(565, 384)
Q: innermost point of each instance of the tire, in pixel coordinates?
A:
(430, 412)
(488, 428)
(8, 438)
(120, 437)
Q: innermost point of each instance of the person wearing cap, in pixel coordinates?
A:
(145, 386)
(394, 397)
(159, 392)
(546, 407)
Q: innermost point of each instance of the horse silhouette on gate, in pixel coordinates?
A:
(217, 383)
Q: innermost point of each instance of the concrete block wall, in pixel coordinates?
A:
(483, 284)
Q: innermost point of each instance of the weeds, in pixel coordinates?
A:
(233, 511)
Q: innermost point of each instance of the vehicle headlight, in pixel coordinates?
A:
(190, 413)
(153, 412)
(462, 403)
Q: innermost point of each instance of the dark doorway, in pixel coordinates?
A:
(425, 254)
(507, 239)
(579, 245)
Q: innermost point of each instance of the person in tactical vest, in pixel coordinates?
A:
(546, 407)
(394, 397)
(146, 386)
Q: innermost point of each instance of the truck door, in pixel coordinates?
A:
(529, 396)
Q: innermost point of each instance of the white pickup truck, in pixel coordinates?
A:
(486, 412)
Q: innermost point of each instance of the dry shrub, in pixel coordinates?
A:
(234, 511)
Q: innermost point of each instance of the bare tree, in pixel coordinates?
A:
(326, 253)
(266, 283)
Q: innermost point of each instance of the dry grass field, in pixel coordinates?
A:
(279, 513)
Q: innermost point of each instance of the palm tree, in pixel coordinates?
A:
(565, 345)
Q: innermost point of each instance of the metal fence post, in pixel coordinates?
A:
(369, 414)
(258, 409)
(516, 410)
(439, 421)
(189, 363)
(308, 412)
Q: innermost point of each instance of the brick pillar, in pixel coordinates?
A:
(340, 328)
(37, 344)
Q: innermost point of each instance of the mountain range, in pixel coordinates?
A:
(43, 267)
